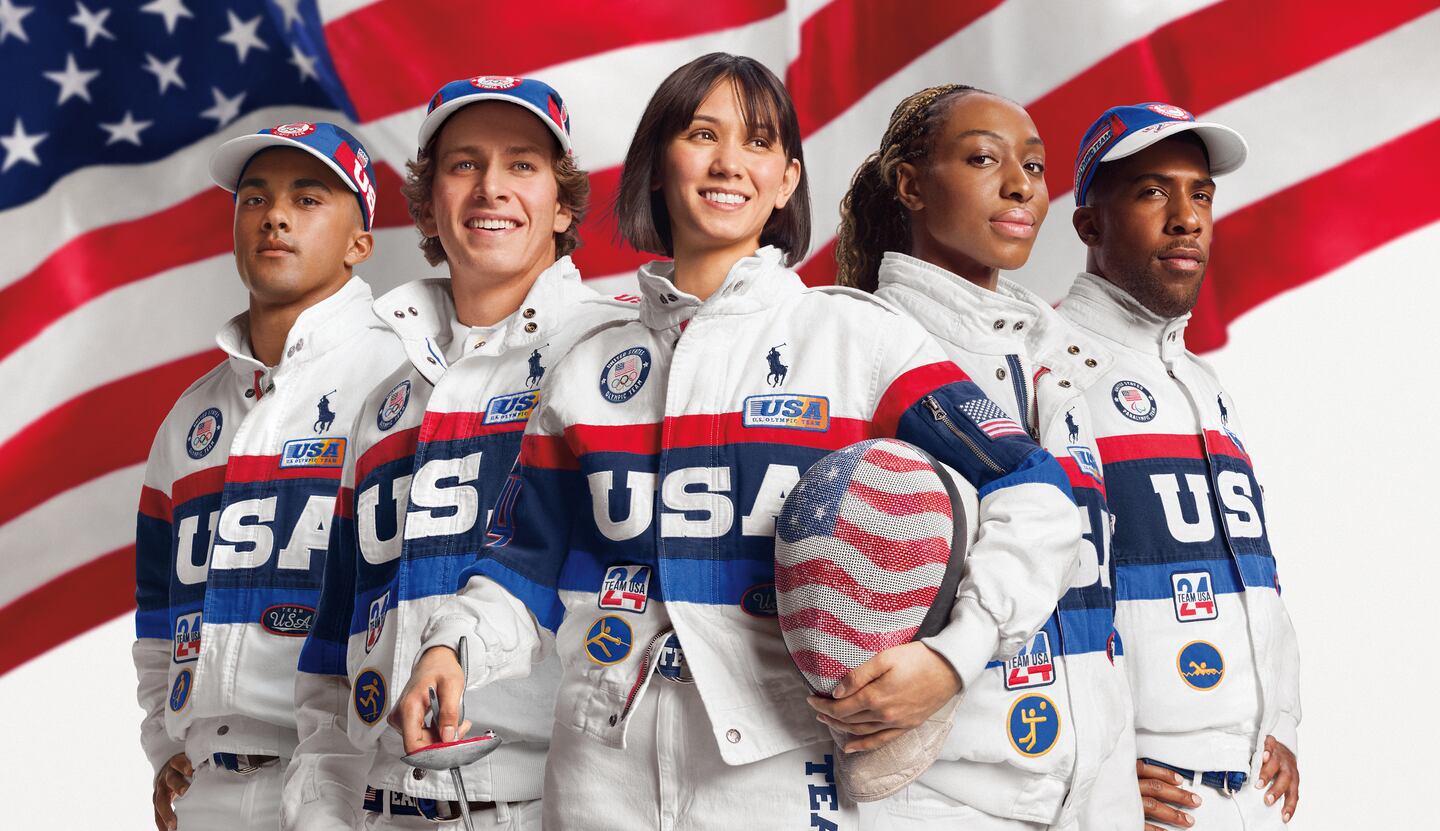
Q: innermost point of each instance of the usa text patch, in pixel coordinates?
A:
(321, 452)
(506, 409)
(790, 412)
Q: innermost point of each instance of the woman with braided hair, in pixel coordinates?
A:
(955, 194)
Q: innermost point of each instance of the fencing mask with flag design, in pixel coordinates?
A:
(869, 552)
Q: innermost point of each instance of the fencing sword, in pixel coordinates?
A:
(453, 756)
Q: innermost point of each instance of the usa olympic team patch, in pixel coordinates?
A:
(625, 374)
(494, 82)
(297, 129)
(204, 433)
(395, 403)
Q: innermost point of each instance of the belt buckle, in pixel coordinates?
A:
(246, 764)
(430, 810)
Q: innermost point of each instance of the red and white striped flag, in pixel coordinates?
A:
(118, 268)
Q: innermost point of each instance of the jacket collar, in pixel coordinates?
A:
(317, 330)
(756, 282)
(1107, 310)
(1006, 321)
(422, 314)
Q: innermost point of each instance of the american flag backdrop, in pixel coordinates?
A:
(116, 269)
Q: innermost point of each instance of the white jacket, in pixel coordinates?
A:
(247, 460)
(434, 444)
(645, 499)
(1211, 653)
(1033, 364)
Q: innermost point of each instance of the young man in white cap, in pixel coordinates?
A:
(1210, 650)
(497, 196)
(241, 482)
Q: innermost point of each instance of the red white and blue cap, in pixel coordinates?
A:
(536, 96)
(1125, 131)
(331, 144)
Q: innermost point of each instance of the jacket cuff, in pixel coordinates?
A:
(161, 751)
(447, 631)
(1287, 732)
(969, 641)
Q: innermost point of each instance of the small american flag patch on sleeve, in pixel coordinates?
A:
(991, 420)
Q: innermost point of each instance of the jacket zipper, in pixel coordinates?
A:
(1020, 379)
(938, 413)
(644, 672)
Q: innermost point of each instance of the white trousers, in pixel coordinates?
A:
(1114, 802)
(921, 807)
(222, 800)
(671, 777)
(1244, 811)
(509, 816)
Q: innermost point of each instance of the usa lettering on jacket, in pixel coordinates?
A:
(233, 528)
(648, 454)
(434, 445)
(1190, 541)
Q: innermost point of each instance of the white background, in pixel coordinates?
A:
(1336, 381)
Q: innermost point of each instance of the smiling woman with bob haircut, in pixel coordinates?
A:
(639, 523)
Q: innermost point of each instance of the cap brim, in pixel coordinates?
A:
(1227, 148)
(431, 125)
(229, 159)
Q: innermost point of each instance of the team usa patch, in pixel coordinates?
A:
(187, 638)
(609, 640)
(298, 129)
(670, 662)
(759, 601)
(321, 452)
(370, 696)
(625, 588)
(1133, 401)
(375, 621)
(180, 690)
(1194, 596)
(494, 82)
(395, 403)
(789, 412)
(1034, 725)
(625, 374)
(508, 409)
(1200, 665)
(204, 433)
(288, 619)
(1032, 666)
